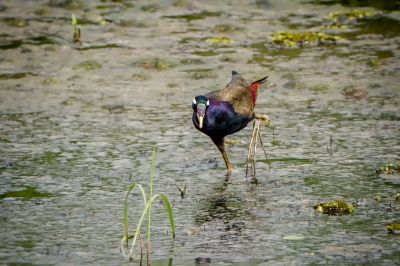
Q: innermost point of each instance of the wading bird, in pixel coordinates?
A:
(224, 112)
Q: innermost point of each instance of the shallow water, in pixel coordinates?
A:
(78, 124)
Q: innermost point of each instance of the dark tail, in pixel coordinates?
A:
(260, 81)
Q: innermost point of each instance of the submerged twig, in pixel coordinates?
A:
(182, 191)
(261, 120)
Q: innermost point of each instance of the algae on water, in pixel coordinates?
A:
(300, 39)
(353, 15)
(389, 169)
(392, 228)
(337, 207)
(219, 40)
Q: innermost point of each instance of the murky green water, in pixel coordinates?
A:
(78, 124)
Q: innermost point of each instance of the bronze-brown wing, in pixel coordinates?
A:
(237, 93)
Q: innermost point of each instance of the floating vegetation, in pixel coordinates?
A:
(39, 40)
(383, 54)
(337, 207)
(265, 50)
(150, 8)
(383, 4)
(154, 63)
(219, 40)
(222, 28)
(70, 101)
(195, 16)
(88, 65)
(366, 22)
(353, 15)
(392, 228)
(205, 53)
(320, 88)
(354, 93)
(334, 26)
(69, 4)
(339, 20)
(16, 22)
(140, 76)
(114, 108)
(148, 203)
(42, 11)
(49, 81)
(291, 160)
(202, 73)
(234, 142)
(294, 237)
(189, 61)
(389, 169)
(99, 46)
(293, 40)
(27, 193)
(397, 196)
(129, 23)
(19, 75)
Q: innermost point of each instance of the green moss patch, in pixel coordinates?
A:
(389, 169)
(337, 207)
(301, 39)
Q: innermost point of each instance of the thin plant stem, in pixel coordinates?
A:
(145, 211)
(130, 188)
(153, 160)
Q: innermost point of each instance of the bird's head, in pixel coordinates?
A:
(199, 105)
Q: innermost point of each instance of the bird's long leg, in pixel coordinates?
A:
(221, 147)
(227, 163)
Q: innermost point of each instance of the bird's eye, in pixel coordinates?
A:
(208, 102)
(194, 101)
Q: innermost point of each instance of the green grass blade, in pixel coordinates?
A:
(153, 161)
(130, 188)
(170, 214)
(137, 231)
(74, 20)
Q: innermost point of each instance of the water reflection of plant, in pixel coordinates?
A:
(145, 212)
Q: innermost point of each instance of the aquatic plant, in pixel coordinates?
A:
(392, 228)
(338, 20)
(354, 92)
(353, 15)
(195, 16)
(76, 38)
(389, 169)
(154, 64)
(26, 194)
(300, 39)
(219, 40)
(88, 65)
(147, 206)
(337, 207)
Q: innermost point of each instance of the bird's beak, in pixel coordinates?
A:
(200, 118)
(201, 112)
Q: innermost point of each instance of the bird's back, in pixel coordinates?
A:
(237, 93)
